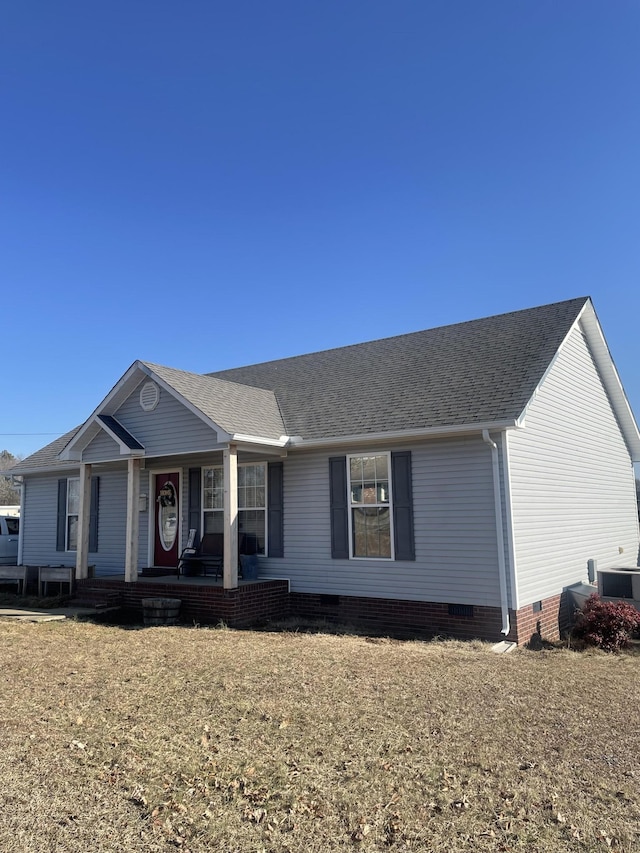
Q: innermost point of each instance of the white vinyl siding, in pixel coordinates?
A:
(170, 428)
(112, 521)
(101, 448)
(572, 482)
(40, 524)
(454, 526)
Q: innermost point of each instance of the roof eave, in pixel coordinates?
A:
(73, 452)
(298, 442)
(588, 321)
(240, 438)
(55, 468)
(611, 380)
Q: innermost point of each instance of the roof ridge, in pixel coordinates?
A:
(201, 376)
(215, 374)
(475, 371)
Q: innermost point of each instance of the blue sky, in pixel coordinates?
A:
(208, 184)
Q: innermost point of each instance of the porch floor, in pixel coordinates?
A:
(183, 580)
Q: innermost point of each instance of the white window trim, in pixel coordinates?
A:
(68, 515)
(351, 506)
(204, 510)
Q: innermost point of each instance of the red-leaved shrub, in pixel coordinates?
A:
(608, 625)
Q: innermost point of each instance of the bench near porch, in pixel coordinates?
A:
(40, 575)
(15, 574)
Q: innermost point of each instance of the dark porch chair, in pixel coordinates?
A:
(206, 559)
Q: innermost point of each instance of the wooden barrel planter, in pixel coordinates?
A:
(161, 611)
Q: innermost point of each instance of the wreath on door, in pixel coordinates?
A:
(167, 495)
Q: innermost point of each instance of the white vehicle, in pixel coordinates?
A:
(9, 534)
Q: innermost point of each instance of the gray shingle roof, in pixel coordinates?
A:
(479, 371)
(238, 409)
(47, 456)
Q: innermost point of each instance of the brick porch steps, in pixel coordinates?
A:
(96, 597)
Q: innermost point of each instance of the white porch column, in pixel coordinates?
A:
(84, 514)
(133, 520)
(230, 564)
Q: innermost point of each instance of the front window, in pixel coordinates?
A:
(73, 508)
(252, 505)
(370, 506)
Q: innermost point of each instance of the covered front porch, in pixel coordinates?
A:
(183, 444)
(175, 517)
(205, 601)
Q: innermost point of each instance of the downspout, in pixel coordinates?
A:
(497, 499)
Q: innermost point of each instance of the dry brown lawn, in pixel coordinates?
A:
(190, 739)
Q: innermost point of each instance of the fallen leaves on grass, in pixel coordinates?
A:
(202, 739)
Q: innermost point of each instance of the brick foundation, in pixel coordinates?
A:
(428, 618)
(549, 618)
(249, 604)
(255, 603)
(421, 618)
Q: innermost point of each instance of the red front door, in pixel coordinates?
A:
(167, 519)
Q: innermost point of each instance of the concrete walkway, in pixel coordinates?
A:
(54, 614)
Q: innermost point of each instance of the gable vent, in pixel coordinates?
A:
(149, 396)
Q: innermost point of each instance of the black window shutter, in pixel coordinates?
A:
(93, 514)
(62, 515)
(339, 512)
(195, 492)
(275, 509)
(402, 505)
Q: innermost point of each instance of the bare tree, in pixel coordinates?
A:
(9, 496)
